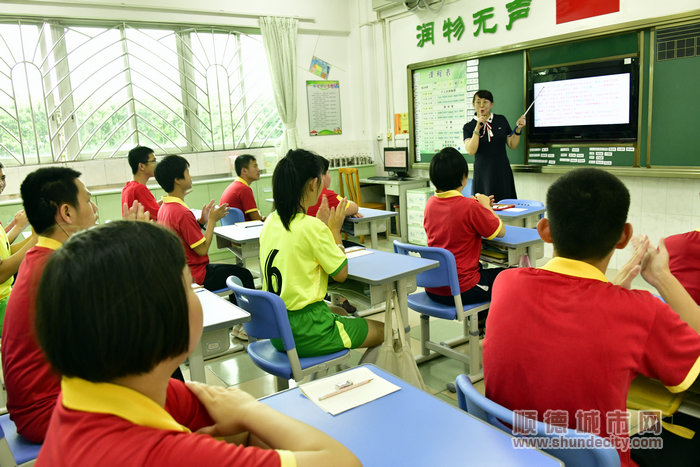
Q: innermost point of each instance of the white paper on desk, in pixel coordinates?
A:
(515, 209)
(378, 387)
(358, 253)
(247, 224)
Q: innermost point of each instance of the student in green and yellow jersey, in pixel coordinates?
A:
(299, 252)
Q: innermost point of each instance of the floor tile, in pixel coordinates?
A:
(235, 369)
(259, 387)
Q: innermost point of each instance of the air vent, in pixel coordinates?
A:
(678, 42)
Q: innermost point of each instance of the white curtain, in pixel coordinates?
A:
(280, 41)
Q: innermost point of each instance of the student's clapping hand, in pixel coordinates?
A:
(633, 267)
(135, 212)
(655, 264)
(337, 217)
(323, 212)
(204, 218)
(216, 213)
(20, 219)
(228, 407)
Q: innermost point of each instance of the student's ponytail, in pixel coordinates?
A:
(288, 181)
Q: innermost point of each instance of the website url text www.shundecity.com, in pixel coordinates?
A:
(560, 442)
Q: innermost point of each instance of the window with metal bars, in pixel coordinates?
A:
(80, 92)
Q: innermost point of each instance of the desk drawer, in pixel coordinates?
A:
(391, 189)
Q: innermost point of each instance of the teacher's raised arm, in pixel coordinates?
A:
(485, 138)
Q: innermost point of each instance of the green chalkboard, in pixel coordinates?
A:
(668, 112)
(675, 112)
(441, 103)
(504, 76)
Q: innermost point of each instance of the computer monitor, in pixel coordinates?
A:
(396, 161)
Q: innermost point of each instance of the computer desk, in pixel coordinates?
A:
(410, 427)
(395, 190)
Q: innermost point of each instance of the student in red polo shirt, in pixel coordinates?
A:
(562, 340)
(118, 405)
(457, 223)
(239, 194)
(684, 253)
(57, 206)
(173, 175)
(332, 197)
(143, 163)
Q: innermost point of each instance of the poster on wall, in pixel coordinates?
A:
(323, 99)
(442, 97)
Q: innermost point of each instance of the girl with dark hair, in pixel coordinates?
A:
(485, 138)
(116, 347)
(299, 252)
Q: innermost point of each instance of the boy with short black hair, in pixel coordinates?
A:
(573, 341)
(142, 161)
(173, 175)
(457, 223)
(57, 206)
(239, 194)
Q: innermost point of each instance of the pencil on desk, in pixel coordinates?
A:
(346, 389)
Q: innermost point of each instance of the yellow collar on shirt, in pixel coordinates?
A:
(108, 398)
(239, 179)
(46, 242)
(448, 194)
(573, 267)
(173, 199)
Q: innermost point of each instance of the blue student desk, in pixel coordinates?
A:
(527, 218)
(242, 241)
(369, 223)
(410, 427)
(218, 314)
(385, 272)
(518, 242)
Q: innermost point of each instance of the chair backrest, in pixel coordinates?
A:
(472, 401)
(268, 314)
(349, 180)
(234, 215)
(14, 449)
(444, 275)
(468, 190)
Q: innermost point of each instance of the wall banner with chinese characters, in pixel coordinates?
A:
(323, 98)
(442, 104)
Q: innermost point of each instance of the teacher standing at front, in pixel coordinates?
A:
(486, 137)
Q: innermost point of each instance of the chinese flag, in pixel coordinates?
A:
(572, 10)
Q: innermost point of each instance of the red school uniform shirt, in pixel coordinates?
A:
(684, 252)
(134, 190)
(104, 424)
(457, 223)
(239, 195)
(175, 214)
(32, 386)
(333, 201)
(563, 339)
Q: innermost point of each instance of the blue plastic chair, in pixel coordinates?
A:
(14, 449)
(269, 320)
(473, 402)
(234, 215)
(445, 275)
(468, 190)
(523, 203)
